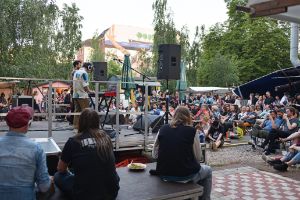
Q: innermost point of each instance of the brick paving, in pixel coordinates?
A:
(249, 183)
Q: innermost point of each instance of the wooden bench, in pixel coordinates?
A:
(142, 185)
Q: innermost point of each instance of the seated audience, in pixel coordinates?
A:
(177, 149)
(272, 122)
(23, 162)
(289, 126)
(133, 117)
(90, 155)
(292, 157)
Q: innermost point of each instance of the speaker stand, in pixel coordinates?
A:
(167, 113)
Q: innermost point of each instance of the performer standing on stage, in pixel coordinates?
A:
(76, 66)
(81, 90)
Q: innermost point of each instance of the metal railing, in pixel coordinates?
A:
(50, 112)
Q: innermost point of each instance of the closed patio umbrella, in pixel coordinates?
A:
(127, 80)
(181, 84)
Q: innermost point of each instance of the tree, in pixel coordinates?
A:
(113, 68)
(256, 46)
(164, 28)
(194, 59)
(97, 53)
(164, 33)
(218, 71)
(37, 39)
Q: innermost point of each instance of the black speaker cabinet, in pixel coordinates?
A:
(20, 100)
(100, 71)
(169, 56)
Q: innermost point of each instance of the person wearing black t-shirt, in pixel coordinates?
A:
(269, 99)
(216, 134)
(90, 155)
(178, 153)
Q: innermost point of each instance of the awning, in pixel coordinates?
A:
(5, 85)
(155, 84)
(209, 89)
(270, 82)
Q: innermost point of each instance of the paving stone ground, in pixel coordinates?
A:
(249, 183)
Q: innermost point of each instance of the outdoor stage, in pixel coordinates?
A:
(129, 139)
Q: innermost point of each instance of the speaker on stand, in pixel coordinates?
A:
(169, 56)
(100, 71)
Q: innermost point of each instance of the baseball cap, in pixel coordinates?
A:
(19, 116)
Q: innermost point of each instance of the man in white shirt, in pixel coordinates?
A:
(284, 100)
(81, 90)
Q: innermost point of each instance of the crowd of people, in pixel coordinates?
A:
(216, 118)
(86, 168)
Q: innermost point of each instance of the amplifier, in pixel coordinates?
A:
(20, 100)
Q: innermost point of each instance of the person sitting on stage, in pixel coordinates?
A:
(23, 162)
(90, 154)
(177, 149)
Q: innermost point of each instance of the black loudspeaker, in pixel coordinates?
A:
(152, 121)
(169, 56)
(20, 100)
(100, 71)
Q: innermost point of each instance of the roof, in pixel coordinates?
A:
(269, 82)
(131, 45)
(209, 89)
(278, 9)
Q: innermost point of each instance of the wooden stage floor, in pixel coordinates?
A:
(61, 131)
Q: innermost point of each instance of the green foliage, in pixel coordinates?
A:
(236, 51)
(218, 71)
(97, 53)
(144, 60)
(164, 28)
(255, 46)
(37, 39)
(113, 68)
(194, 59)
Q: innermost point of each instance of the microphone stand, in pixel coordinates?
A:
(143, 79)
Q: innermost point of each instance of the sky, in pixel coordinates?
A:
(100, 15)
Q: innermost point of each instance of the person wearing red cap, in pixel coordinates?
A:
(22, 161)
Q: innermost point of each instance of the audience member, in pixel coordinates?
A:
(90, 155)
(177, 149)
(23, 162)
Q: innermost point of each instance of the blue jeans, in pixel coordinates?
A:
(204, 178)
(65, 182)
(294, 156)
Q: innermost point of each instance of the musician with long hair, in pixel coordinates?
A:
(90, 155)
(178, 152)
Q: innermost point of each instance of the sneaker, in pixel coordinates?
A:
(251, 142)
(265, 157)
(281, 167)
(274, 162)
